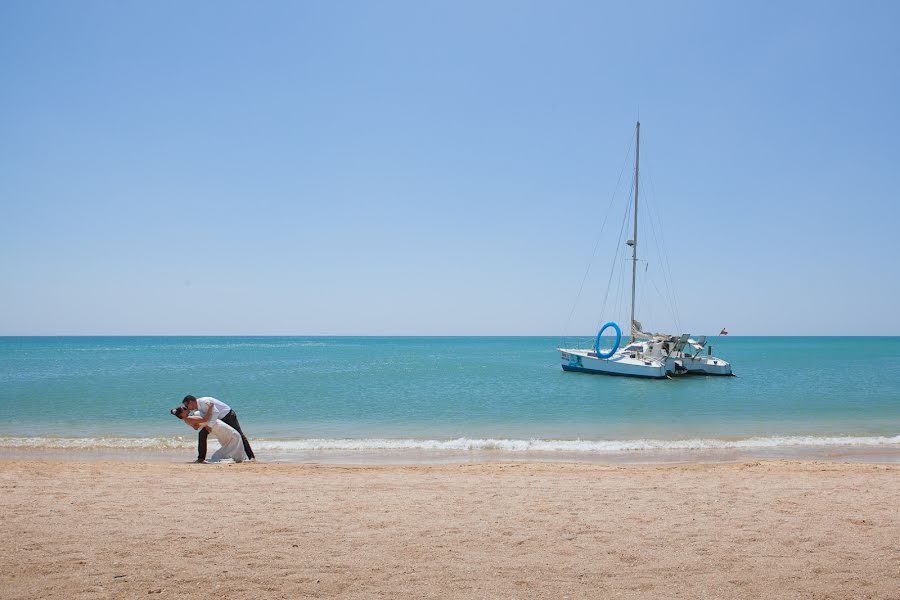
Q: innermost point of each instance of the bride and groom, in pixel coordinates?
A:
(209, 415)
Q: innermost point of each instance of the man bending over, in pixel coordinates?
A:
(211, 409)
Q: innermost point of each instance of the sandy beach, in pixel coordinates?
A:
(779, 529)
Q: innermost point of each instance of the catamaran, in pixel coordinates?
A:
(649, 355)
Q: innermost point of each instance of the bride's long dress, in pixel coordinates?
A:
(230, 439)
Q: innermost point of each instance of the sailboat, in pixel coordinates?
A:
(648, 355)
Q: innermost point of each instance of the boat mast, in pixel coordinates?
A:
(637, 159)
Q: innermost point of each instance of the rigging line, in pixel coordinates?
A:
(670, 282)
(615, 287)
(617, 292)
(620, 292)
(660, 294)
(651, 212)
(653, 217)
(621, 297)
(599, 237)
(624, 300)
(649, 203)
(647, 306)
(616, 257)
(668, 279)
(615, 263)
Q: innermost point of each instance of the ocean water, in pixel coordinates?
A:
(432, 395)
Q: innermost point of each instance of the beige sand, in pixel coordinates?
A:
(757, 530)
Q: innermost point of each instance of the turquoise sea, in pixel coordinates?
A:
(455, 394)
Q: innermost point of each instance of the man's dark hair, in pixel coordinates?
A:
(187, 399)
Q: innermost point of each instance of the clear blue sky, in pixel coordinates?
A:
(418, 168)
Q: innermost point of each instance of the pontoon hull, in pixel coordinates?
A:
(706, 365)
(618, 364)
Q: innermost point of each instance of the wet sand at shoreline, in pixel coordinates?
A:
(774, 529)
(884, 454)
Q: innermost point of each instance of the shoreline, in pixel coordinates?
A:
(886, 455)
(773, 529)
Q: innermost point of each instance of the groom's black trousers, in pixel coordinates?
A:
(231, 419)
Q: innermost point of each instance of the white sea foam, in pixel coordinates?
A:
(88, 443)
(575, 446)
(462, 444)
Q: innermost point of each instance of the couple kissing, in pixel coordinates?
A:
(209, 415)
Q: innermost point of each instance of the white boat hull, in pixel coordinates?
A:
(628, 364)
(706, 365)
(621, 364)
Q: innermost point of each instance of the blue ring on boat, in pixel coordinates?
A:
(615, 346)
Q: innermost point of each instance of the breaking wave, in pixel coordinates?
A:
(460, 444)
(88, 443)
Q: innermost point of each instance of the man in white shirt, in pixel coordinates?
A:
(211, 409)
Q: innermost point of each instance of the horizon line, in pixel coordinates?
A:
(325, 335)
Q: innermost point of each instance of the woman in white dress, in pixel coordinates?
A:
(230, 440)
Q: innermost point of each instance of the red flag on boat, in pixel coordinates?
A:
(723, 332)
